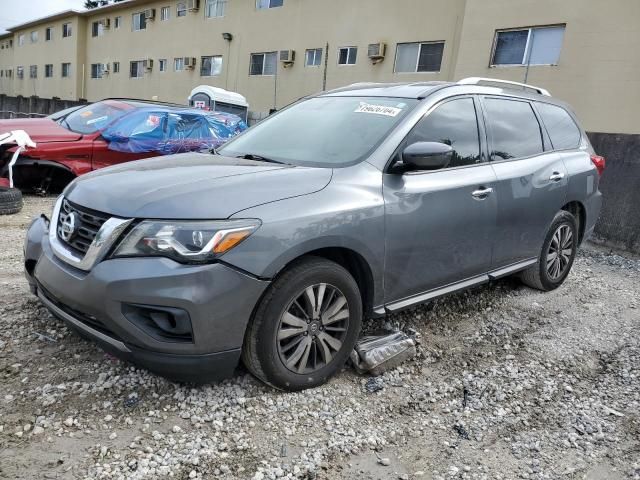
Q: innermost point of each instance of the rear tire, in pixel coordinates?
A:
(557, 254)
(10, 200)
(305, 326)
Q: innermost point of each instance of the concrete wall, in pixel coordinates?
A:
(619, 222)
(19, 106)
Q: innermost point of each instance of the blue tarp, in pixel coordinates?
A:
(171, 131)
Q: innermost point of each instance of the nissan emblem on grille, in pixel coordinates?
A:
(69, 226)
(78, 227)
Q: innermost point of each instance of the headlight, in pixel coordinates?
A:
(185, 241)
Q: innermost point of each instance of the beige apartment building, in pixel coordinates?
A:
(276, 51)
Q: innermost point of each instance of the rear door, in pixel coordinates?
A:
(531, 182)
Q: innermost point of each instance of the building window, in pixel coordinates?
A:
(137, 69)
(117, 22)
(263, 4)
(139, 21)
(48, 34)
(33, 71)
(116, 67)
(21, 39)
(313, 57)
(178, 64)
(66, 70)
(529, 46)
(181, 9)
(96, 70)
(347, 55)
(211, 66)
(34, 36)
(162, 65)
(97, 29)
(48, 70)
(164, 13)
(419, 57)
(263, 63)
(66, 30)
(214, 8)
(20, 72)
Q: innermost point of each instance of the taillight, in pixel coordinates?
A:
(599, 162)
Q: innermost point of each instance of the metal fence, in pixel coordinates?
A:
(8, 114)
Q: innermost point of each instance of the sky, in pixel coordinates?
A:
(14, 12)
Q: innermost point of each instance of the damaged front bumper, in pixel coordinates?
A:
(184, 322)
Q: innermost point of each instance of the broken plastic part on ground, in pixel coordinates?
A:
(376, 354)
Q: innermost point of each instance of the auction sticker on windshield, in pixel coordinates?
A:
(377, 109)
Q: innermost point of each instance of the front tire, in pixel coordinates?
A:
(305, 326)
(557, 255)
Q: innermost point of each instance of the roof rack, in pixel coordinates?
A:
(507, 83)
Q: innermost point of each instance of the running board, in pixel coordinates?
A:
(454, 287)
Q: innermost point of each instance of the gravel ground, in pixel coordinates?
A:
(508, 383)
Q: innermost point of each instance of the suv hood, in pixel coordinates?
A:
(192, 186)
(41, 130)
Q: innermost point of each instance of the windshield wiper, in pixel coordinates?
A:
(259, 158)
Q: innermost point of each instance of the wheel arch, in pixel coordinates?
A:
(578, 210)
(352, 261)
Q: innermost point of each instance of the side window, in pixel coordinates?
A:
(514, 128)
(563, 131)
(455, 124)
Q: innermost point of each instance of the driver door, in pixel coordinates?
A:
(440, 224)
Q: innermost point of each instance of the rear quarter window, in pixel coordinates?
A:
(514, 127)
(562, 130)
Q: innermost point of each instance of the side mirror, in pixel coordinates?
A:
(427, 155)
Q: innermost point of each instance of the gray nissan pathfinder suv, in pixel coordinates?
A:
(354, 203)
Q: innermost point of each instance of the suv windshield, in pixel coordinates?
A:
(95, 117)
(323, 131)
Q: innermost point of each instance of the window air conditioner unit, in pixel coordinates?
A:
(376, 51)
(106, 23)
(190, 62)
(148, 64)
(105, 69)
(150, 13)
(193, 5)
(287, 56)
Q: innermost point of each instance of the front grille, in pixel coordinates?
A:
(86, 224)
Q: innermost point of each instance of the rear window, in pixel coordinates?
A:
(515, 131)
(563, 131)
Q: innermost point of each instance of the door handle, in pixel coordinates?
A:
(482, 193)
(556, 176)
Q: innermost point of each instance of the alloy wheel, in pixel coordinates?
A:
(313, 328)
(560, 251)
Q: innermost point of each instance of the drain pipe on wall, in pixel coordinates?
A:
(326, 62)
(82, 89)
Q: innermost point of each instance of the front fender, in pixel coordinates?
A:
(348, 213)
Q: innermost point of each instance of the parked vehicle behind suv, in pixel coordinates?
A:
(350, 204)
(81, 139)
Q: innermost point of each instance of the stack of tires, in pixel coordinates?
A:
(10, 200)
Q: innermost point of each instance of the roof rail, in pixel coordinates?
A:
(507, 83)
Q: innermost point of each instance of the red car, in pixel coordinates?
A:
(107, 133)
